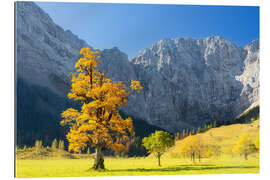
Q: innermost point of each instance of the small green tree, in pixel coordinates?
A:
(244, 146)
(88, 150)
(157, 143)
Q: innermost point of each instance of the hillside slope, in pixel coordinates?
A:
(225, 136)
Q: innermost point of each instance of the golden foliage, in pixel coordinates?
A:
(197, 147)
(257, 143)
(98, 123)
(244, 145)
(158, 142)
(136, 85)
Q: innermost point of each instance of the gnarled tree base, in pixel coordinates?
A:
(99, 165)
(99, 160)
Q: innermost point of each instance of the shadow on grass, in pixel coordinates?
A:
(183, 168)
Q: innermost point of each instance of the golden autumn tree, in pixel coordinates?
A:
(244, 146)
(98, 122)
(195, 147)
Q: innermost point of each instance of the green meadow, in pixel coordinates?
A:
(64, 164)
(135, 166)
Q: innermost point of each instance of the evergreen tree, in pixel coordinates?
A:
(61, 145)
(177, 136)
(215, 124)
(183, 134)
(199, 130)
(54, 145)
(204, 127)
(38, 146)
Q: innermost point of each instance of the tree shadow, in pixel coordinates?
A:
(183, 168)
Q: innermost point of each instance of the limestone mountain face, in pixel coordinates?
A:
(250, 77)
(192, 81)
(186, 81)
(45, 53)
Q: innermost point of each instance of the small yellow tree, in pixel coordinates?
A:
(244, 146)
(189, 147)
(213, 150)
(257, 143)
(195, 147)
(98, 122)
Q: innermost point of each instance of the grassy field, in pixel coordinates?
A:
(135, 166)
(225, 136)
(66, 165)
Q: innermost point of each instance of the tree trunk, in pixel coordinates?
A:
(99, 159)
(159, 159)
(246, 156)
(193, 157)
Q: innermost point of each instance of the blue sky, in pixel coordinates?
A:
(134, 27)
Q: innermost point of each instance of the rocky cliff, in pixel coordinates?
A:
(187, 82)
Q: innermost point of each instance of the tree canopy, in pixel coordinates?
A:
(98, 122)
(158, 143)
(244, 146)
(196, 147)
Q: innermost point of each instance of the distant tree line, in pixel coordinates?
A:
(245, 117)
(188, 132)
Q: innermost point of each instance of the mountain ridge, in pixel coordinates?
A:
(187, 81)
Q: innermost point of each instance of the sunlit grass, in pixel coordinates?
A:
(60, 165)
(135, 166)
(225, 136)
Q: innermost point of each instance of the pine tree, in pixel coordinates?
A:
(183, 134)
(38, 146)
(204, 127)
(199, 130)
(215, 124)
(177, 136)
(61, 145)
(54, 145)
(24, 148)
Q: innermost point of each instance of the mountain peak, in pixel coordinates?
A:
(187, 81)
(253, 46)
